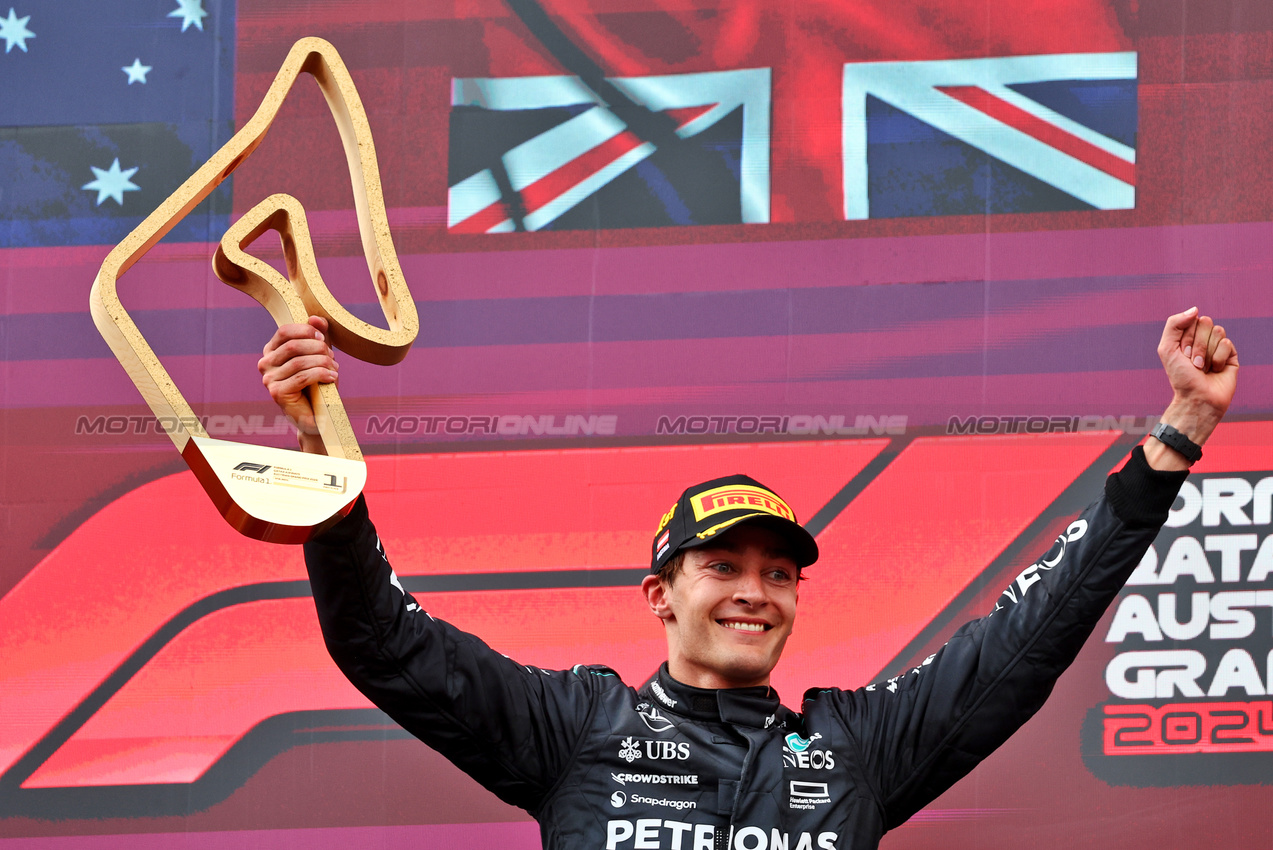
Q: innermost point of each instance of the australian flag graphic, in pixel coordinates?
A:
(996, 135)
(551, 153)
(104, 110)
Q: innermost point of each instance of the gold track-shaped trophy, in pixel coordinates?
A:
(267, 493)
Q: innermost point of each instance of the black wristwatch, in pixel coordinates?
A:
(1169, 436)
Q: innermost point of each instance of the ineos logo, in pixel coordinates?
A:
(796, 753)
(815, 759)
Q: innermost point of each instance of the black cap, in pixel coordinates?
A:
(707, 510)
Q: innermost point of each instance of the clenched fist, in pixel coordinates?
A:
(296, 357)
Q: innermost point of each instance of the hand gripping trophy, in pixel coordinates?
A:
(267, 493)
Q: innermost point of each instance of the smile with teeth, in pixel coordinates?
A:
(744, 627)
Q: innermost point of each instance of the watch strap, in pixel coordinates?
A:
(1169, 436)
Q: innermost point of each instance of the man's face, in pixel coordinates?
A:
(730, 610)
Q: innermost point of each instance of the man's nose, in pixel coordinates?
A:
(750, 588)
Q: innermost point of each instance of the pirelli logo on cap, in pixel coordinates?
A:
(734, 497)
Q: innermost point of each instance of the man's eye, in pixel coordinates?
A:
(722, 567)
(780, 576)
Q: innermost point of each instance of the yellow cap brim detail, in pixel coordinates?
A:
(719, 527)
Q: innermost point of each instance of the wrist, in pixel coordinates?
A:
(1195, 419)
(1165, 435)
(311, 443)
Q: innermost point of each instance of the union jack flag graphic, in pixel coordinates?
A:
(536, 153)
(974, 136)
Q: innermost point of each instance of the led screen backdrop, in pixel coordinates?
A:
(907, 262)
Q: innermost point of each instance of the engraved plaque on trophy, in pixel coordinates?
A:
(269, 493)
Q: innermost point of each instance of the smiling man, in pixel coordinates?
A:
(704, 756)
(727, 560)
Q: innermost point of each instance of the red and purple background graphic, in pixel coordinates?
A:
(906, 262)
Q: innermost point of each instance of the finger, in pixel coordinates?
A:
(293, 365)
(296, 330)
(291, 389)
(1217, 335)
(1187, 338)
(290, 349)
(1225, 356)
(1201, 343)
(1176, 328)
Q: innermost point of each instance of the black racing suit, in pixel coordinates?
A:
(602, 765)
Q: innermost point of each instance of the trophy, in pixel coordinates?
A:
(272, 494)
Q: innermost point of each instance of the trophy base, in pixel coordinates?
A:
(271, 494)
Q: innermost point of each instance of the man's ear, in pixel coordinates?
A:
(656, 596)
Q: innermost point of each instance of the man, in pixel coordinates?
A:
(704, 756)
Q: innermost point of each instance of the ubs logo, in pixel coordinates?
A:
(631, 749)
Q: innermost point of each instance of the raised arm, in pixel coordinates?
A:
(511, 727)
(921, 731)
(1202, 367)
